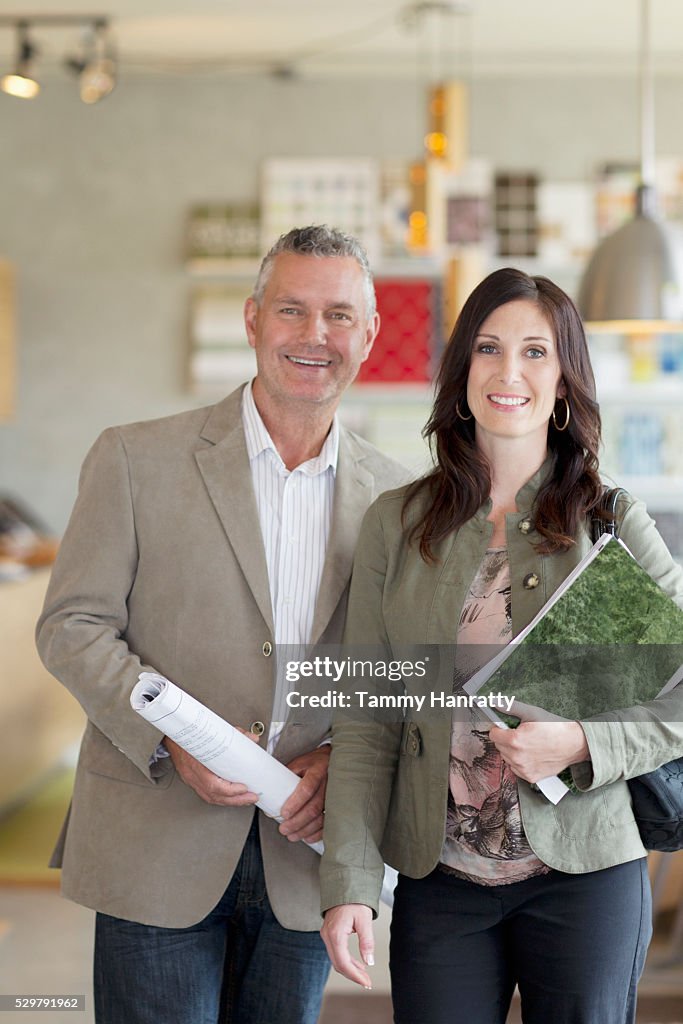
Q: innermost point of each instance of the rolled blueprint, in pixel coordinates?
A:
(223, 749)
(213, 741)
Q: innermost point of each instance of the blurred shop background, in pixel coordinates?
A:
(150, 152)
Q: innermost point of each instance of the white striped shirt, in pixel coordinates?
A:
(295, 516)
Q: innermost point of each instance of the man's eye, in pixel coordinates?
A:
(338, 315)
(289, 310)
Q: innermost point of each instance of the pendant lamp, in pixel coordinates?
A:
(634, 279)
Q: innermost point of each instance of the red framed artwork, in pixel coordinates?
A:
(410, 338)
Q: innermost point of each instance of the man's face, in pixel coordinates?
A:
(311, 331)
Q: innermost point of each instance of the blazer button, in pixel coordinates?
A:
(531, 581)
(258, 728)
(524, 526)
(267, 649)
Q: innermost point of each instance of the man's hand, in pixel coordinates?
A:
(206, 785)
(339, 924)
(535, 750)
(303, 811)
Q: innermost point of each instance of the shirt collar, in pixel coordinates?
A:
(258, 439)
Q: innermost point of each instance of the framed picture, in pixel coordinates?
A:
(516, 214)
(410, 338)
(342, 193)
(223, 231)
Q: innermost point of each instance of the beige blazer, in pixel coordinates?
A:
(388, 784)
(162, 568)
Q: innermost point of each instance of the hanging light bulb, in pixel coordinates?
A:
(445, 141)
(20, 82)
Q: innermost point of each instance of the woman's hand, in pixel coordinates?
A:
(339, 924)
(535, 750)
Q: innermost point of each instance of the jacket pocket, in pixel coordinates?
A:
(100, 757)
(595, 814)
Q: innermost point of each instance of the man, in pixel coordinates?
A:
(197, 543)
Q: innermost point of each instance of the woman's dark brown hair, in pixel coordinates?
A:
(461, 481)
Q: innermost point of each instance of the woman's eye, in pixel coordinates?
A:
(486, 348)
(535, 353)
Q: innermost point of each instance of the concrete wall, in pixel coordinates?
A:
(93, 203)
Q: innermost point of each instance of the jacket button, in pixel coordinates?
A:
(258, 728)
(414, 745)
(531, 581)
(267, 649)
(524, 526)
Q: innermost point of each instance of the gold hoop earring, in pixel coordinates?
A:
(460, 415)
(568, 417)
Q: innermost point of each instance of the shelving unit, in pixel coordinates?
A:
(225, 270)
(643, 423)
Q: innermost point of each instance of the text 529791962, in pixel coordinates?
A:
(31, 1001)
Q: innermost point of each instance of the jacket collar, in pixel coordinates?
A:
(526, 495)
(224, 467)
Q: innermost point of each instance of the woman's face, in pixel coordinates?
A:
(514, 377)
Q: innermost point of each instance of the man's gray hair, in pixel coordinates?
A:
(320, 241)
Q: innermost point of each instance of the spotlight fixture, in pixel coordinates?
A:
(20, 82)
(96, 68)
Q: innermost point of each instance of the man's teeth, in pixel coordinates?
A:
(508, 400)
(309, 362)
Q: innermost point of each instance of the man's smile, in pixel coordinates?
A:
(306, 361)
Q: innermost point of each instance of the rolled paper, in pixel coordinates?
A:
(226, 751)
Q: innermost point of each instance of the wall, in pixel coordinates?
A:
(93, 204)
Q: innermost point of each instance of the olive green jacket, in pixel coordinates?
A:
(388, 785)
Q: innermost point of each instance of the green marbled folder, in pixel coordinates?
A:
(609, 638)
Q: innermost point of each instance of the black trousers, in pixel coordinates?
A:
(574, 944)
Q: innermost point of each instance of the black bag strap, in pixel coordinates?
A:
(608, 504)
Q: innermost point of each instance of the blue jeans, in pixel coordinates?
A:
(574, 944)
(236, 966)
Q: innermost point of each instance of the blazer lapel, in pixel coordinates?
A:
(353, 492)
(225, 469)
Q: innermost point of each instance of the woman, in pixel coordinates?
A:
(498, 887)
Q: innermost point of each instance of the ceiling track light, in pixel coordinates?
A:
(96, 65)
(20, 82)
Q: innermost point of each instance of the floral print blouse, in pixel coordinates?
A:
(485, 840)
